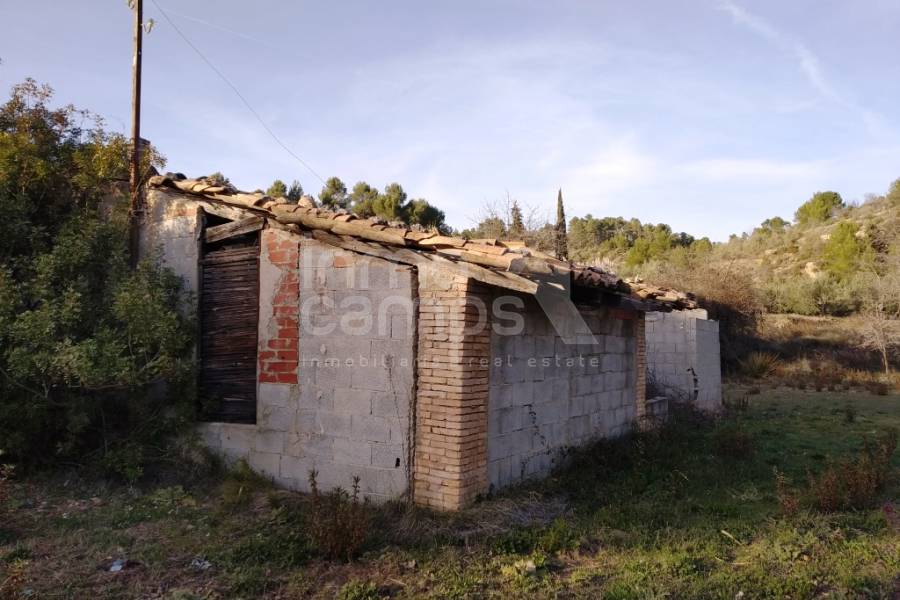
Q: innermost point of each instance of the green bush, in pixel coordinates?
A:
(824, 295)
(95, 357)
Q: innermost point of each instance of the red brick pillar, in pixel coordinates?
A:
(450, 462)
(280, 336)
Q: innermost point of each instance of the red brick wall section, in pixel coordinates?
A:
(450, 463)
(279, 351)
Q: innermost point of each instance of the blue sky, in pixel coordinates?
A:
(709, 115)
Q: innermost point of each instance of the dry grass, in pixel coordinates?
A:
(759, 365)
(636, 518)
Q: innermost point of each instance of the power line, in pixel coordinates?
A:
(237, 92)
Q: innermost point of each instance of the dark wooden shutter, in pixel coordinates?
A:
(229, 317)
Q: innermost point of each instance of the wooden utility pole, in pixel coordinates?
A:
(137, 206)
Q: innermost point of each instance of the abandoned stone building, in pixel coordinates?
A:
(430, 366)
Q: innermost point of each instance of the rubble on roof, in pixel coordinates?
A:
(506, 259)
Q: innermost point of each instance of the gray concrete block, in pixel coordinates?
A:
(583, 385)
(370, 429)
(501, 396)
(389, 456)
(276, 395)
(269, 441)
(523, 393)
(296, 468)
(371, 379)
(561, 388)
(612, 362)
(615, 344)
(276, 418)
(353, 401)
(265, 463)
(237, 438)
(351, 452)
(614, 380)
(544, 345)
(334, 424)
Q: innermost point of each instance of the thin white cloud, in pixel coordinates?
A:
(759, 170)
(807, 61)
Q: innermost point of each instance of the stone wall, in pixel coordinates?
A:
(172, 228)
(683, 357)
(546, 395)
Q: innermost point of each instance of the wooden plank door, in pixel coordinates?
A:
(229, 317)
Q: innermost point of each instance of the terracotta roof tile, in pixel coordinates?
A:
(507, 259)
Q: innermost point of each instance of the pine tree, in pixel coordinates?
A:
(277, 190)
(516, 222)
(562, 246)
(334, 195)
(295, 192)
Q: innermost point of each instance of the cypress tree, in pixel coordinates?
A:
(516, 222)
(562, 246)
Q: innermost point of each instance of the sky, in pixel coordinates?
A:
(708, 115)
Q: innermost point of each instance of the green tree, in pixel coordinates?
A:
(391, 205)
(422, 213)
(562, 245)
(516, 222)
(819, 208)
(278, 189)
(362, 199)
(218, 178)
(491, 227)
(773, 226)
(82, 336)
(295, 192)
(893, 195)
(334, 194)
(844, 252)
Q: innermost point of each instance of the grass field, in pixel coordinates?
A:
(690, 511)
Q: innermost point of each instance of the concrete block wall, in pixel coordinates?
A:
(450, 467)
(546, 395)
(336, 355)
(683, 357)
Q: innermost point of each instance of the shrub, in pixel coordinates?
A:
(240, 484)
(339, 522)
(759, 365)
(740, 404)
(729, 295)
(855, 483)
(824, 295)
(788, 499)
(849, 414)
(12, 581)
(731, 441)
(87, 344)
(879, 388)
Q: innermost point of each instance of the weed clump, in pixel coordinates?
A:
(852, 483)
(788, 499)
(339, 522)
(759, 365)
(732, 441)
(240, 484)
